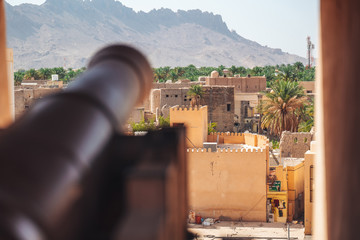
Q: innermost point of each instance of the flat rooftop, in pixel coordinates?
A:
(237, 146)
(291, 162)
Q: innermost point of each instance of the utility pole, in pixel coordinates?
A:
(310, 47)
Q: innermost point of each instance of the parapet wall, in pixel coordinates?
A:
(250, 139)
(235, 150)
(226, 138)
(183, 108)
(179, 84)
(241, 84)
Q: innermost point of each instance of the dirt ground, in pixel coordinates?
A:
(243, 230)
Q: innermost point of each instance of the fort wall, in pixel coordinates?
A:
(196, 123)
(250, 139)
(228, 184)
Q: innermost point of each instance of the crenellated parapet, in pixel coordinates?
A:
(222, 150)
(184, 108)
(226, 134)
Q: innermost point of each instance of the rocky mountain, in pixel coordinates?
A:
(67, 32)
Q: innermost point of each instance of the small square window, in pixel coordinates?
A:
(176, 95)
(167, 95)
(185, 100)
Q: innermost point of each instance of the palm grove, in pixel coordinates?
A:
(284, 108)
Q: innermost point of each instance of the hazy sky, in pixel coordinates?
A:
(281, 24)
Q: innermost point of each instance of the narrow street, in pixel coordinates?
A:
(248, 231)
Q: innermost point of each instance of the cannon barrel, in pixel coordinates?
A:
(46, 153)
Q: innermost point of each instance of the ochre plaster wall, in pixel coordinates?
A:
(10, 72)
(230, 185)
(254, 140)
(228, 138)
(309, 162)
(195, 121)
(295, 188)
(6, 117)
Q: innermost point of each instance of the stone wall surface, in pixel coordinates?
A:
(178, 84)
(24, 98)
(241, 84)
(221, 106)
(219, 99)
(295, 144)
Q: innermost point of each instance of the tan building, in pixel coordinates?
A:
(42, 83)
(24, 98)
(247, 97)
(219, 99)
(184, 83)
(228, 182)
(309, 87)
(232, 101)
(242, 84)
(290, 173)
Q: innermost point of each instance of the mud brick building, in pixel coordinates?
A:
(220, 100)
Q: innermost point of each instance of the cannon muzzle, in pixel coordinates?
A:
(45, 155)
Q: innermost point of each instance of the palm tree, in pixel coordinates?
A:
(59, 71)
(308, 120)
(196, 92)
(18, 77)
(257, 71)
(286, 73)
(299, 67)
(45, 73)
(281, 109)
(31, 73)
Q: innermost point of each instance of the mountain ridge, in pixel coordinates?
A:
(66, 33)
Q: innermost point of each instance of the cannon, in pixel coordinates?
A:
(66, 172)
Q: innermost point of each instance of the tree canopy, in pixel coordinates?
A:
(294, 72)
(66, 75)
(196, 92)
(281, 108)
